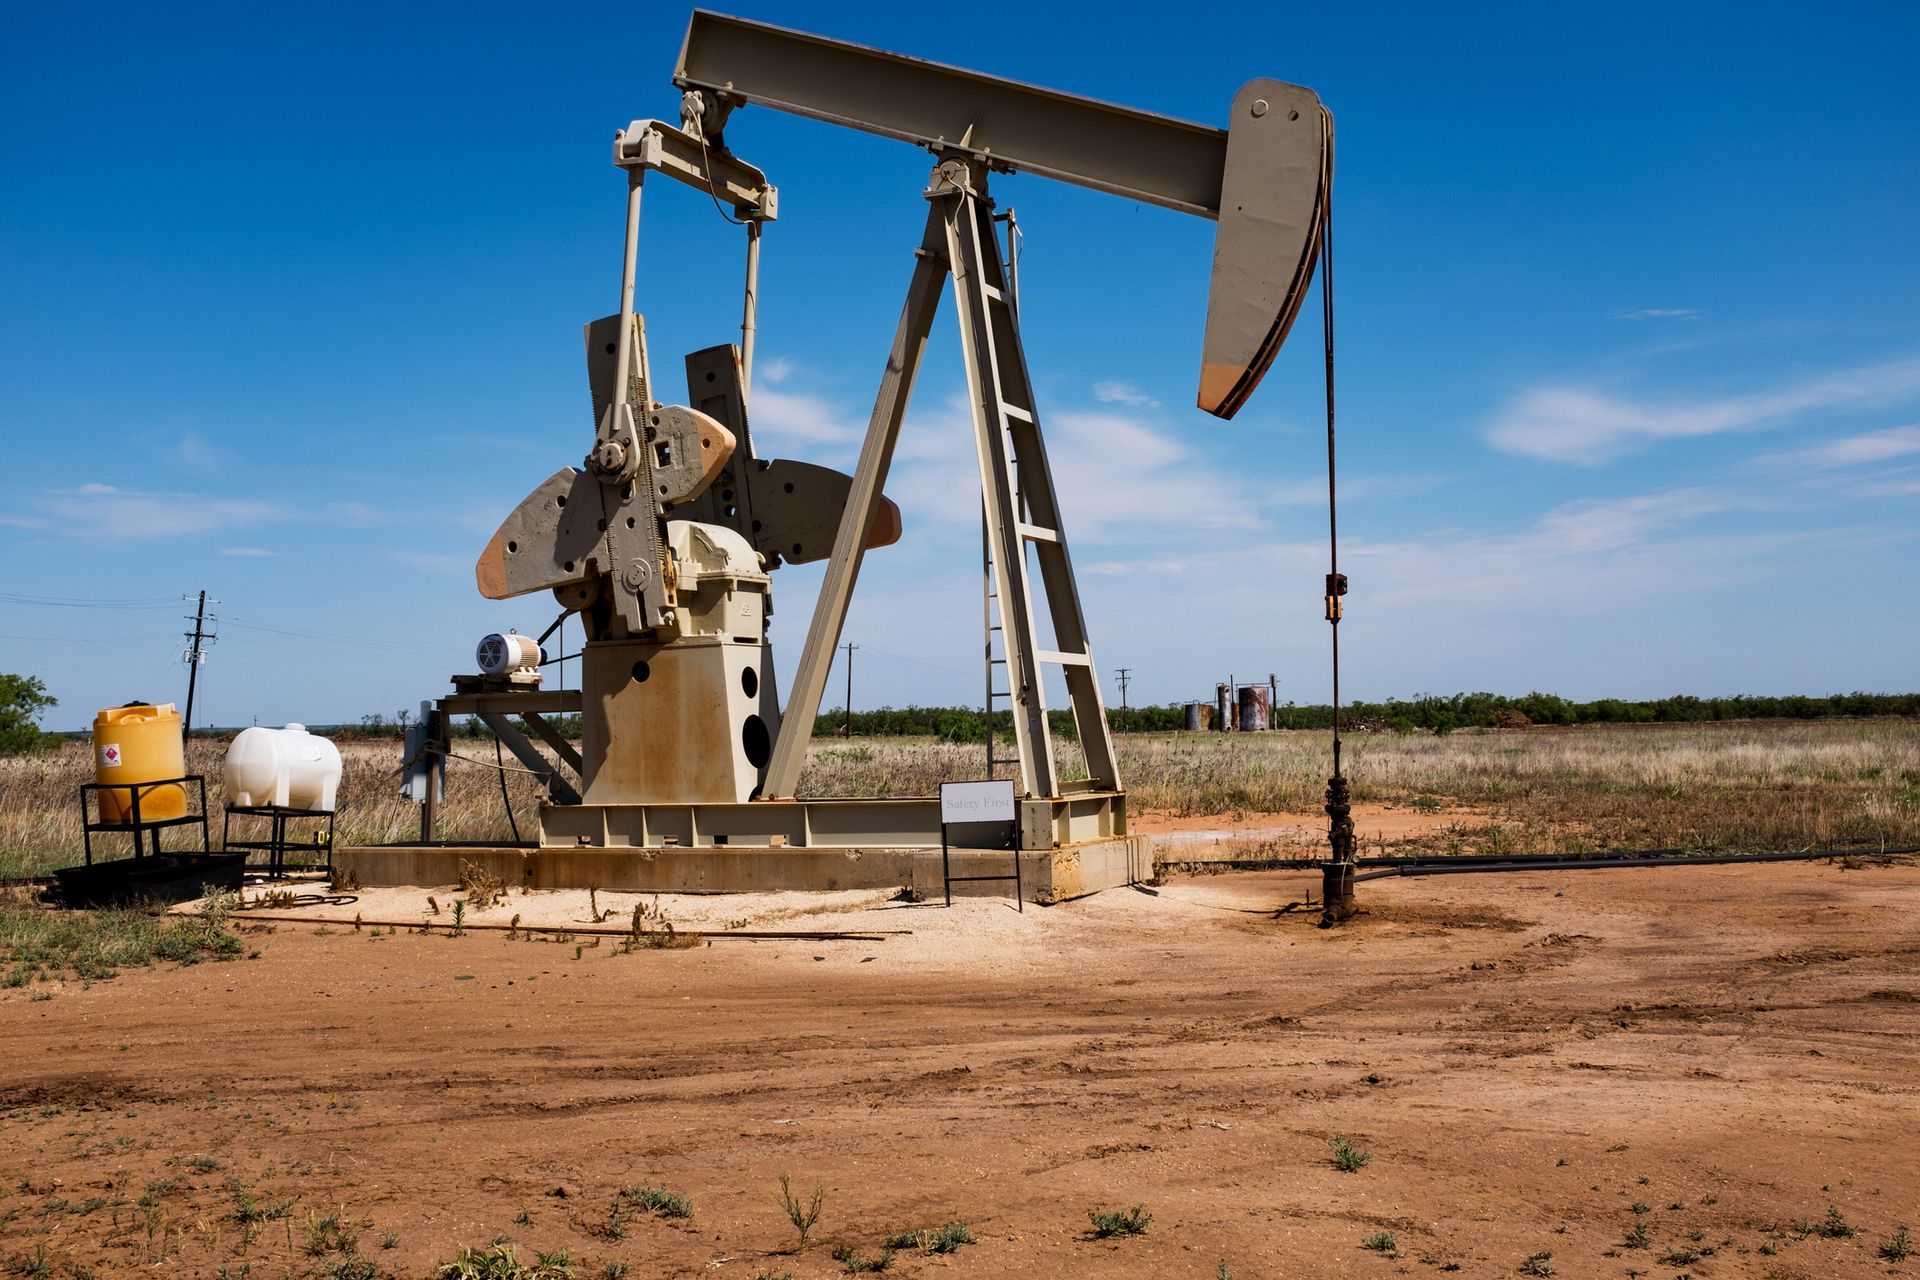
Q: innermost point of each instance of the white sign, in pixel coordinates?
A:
(976, 801)
(110, 754)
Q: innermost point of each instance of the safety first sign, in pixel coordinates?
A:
(109, 754)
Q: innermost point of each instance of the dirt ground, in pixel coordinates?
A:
(1536, 1064)
(1290, 835)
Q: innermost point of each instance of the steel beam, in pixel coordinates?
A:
(1137, 154)
(527, 754)
(656, 145)
(1265, 178)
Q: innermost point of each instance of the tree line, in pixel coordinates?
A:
(1433, 713)
(23, 699)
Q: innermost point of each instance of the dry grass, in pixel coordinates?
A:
(1729, 785)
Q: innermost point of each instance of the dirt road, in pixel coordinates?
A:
(1544, 1064)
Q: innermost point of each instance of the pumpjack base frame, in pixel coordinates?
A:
(819, 845)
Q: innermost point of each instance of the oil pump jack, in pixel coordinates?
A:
(663, 540)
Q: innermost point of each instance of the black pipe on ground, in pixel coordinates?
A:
(1444, 866)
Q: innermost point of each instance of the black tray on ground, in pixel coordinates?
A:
(167, 878)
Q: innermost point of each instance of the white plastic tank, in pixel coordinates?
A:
(288, 768)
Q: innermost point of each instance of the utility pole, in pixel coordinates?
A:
(1122, 675)
(194, 656)
(850, 647)
(1273, 700)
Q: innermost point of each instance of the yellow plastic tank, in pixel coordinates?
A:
(134, 744)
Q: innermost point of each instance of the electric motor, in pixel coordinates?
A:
(504, 653)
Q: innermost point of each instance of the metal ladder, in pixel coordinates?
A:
(990, 628)
(1021, 506)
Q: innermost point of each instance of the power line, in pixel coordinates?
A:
(56, 602)
(1124, 675)
(361, 641)
(147, 635)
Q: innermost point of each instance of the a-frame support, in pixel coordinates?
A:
(1020, 501)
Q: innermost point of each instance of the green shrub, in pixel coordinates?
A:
(1347, 1158)
(1129, 1222)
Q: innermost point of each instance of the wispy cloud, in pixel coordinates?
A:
(107, 513)
(788, 418)
(1659, 313)
(1857, 450)
(1120, 477)
(196, 451)
(1906, 487)
(1591, 525)
(1579, 425)
(248, 552)
(1119, 392)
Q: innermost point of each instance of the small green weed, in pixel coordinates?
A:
(1347, 1158)
(248, 1209)
(35, 1267)
(944, 1239)
(1383, 1242)
(1639, 1236)
(1898, 1249)
(847, 1256)
(1833, 1227)
(801, 1218)
(1129, 1222)
(1680, 1257)
(1537, 1264)
(659, 1200)
(499, 1262)
(330, 1235)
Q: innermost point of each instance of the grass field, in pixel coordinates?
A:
(1730, 785)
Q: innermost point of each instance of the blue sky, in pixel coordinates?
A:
(1629, 357)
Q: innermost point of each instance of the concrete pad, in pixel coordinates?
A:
(1054, 875)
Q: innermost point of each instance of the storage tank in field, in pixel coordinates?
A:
(138, 743)
(286, 768)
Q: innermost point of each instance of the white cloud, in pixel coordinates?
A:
(196, 451)
(785, 419)
(1118, 392)
(771, 371)
(1592, 525)
(1907, 487)
(250, 552)
(1574, 424)
(1856, 450)
(1120, 478)
(101, 512)
(1659, 313)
